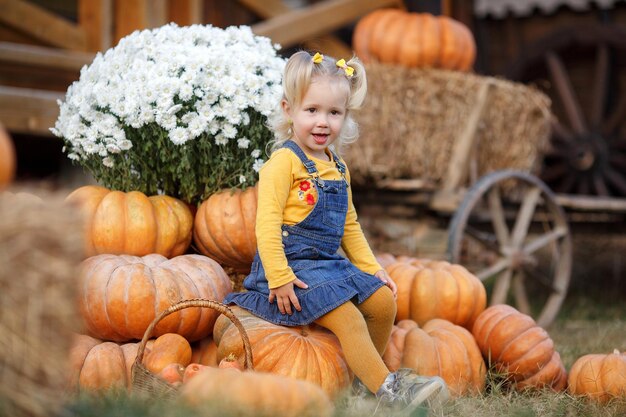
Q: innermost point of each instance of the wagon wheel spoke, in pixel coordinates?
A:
(616, 179)
(599, 185)
(495, 269)
(584, 185)
(501, 288)
(545, 240)
(600, 84)
(497, 216)
(486, 239)
(532, 272)
(566, 92)
(520, 294)
(617, 116)
(524, 216)
(561, 131)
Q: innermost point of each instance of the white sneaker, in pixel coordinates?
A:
(405, 391)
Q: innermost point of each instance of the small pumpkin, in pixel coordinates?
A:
(521, 350)
(7, 158)
(168, 349)
(133, 223)
(286, 350)
(414, 40)
(204, 352)
(120, 295)
(192, 370)
(224, 228)
(216, 391)
(600, 377)
(230, 361)
(436, 289)
(438, 348)
(172, 373)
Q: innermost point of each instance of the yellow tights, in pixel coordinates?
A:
(363, 331)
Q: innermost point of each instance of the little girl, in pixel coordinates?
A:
(305, 213)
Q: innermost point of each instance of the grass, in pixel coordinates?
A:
(583, 326)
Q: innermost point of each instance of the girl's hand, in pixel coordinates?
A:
(285, 296)
(384, 277)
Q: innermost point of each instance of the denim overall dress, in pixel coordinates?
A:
(311, 250)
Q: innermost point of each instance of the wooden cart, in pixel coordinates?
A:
(507, 227)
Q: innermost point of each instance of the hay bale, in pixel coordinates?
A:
(412, 117)
(40, 250)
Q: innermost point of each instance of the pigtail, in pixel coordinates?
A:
(358, 84)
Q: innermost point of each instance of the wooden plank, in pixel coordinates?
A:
(599, 204)
(222, 13)
(266, 8)
(130, 15)
(465, 143)
(95, 17)
(291, 28)
(156, 13)
(28, 111)
(327, 44)
(185, 12)
(42, 25)
(44, 57)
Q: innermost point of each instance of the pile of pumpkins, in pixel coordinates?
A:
(140, 264)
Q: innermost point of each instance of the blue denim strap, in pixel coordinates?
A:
(308, 164)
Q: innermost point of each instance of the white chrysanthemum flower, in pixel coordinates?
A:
(220, 139)
(242, 179)
(108, 162)
(243, 143)
(256, 153)
(178, 136)
(258, 163)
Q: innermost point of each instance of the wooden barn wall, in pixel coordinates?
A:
(500, 42)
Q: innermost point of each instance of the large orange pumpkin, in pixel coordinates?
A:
(438, 348)
(600, 377)
(521, 350)
(215, 391)
(7, 158)
(133, 223)
(414, 40)
(437, 289)
(120, 295)
(224, 228)
(310, 352)
(98, 365)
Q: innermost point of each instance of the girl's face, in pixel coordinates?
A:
(318, 119)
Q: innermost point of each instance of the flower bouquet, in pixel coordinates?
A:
(175, 110)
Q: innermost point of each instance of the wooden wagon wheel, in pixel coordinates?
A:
(583, 70)
(510, 232)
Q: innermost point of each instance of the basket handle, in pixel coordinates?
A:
(199, 302)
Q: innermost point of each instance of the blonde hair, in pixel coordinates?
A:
(299, 72)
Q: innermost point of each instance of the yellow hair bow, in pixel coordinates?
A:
(348, 69)
(318, 58)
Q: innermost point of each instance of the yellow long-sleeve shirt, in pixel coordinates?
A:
(286, 196)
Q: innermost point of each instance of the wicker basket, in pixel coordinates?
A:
(145, 382)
